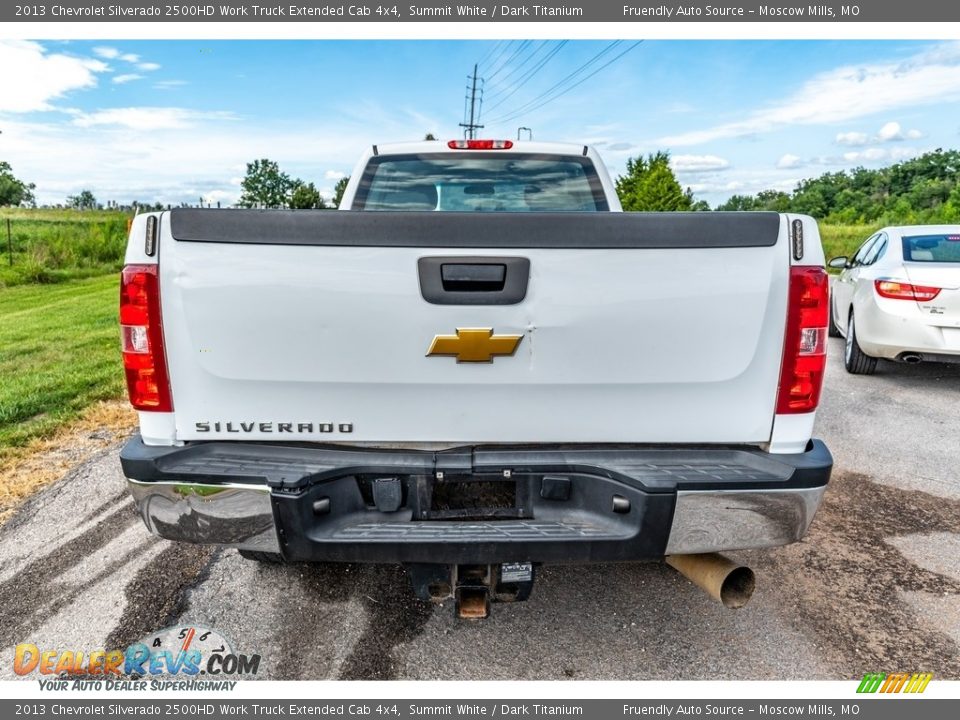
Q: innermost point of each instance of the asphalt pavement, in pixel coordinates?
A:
(875, 585)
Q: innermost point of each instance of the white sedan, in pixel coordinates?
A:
(898, 298)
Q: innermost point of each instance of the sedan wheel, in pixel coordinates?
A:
(855, 360)
(832, 329)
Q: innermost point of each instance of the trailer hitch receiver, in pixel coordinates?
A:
(472, 587)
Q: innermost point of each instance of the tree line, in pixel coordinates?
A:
(925, 189)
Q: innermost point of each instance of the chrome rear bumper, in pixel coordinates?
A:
(715, 521)
(234, 515)
(253, 515)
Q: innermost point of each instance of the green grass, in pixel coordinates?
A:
(59, 353)
(52, 246)
(844, 239)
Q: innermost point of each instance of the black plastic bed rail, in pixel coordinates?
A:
(609, 230)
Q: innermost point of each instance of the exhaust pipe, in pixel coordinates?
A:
(721, 578)
(911, 358)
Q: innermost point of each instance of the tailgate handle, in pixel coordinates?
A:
(485, 277)
(461, 280)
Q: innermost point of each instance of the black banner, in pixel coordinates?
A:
(631, 11)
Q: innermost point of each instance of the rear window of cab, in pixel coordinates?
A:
(465, 182)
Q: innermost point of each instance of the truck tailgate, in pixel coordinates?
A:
(314, 326)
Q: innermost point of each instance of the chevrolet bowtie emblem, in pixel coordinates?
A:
(474, 345)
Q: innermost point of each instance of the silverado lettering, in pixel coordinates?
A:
(267, 427)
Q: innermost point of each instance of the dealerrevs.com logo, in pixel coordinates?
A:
(184, 652)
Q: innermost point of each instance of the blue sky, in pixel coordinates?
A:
(178, 120)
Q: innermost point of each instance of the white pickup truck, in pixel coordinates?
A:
(480, 366)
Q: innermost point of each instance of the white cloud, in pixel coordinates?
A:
(148, 66)
(41, 77)
(148, 118)
(698, 163)
(851, 138)
(846, 93)
(106, 52)
(890, 131)
(904, 153)
(168, 84)
(713, 186)
(121, 79)
(130, 58)
(874, 155)
(869, 155)
(789, 161)
(333, 175)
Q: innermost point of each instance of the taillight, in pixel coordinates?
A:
(905, 291)
(480, 144)
(141, 339)
(805, 341)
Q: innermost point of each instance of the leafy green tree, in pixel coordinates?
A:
(265, 185)
(84, 200)
(649, 184)
(14, 191)
(429, 136)
(773, 200)
(338, 190)
(305, 196)
(951, 208)
(738, 203)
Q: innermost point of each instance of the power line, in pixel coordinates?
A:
(607, 64)
(500, 54)
(490, 52)
(530, 74)
(503, 81)
(501, 50)
(509, 60)
(567, 78)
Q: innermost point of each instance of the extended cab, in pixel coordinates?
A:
(479, 366)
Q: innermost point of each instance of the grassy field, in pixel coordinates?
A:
(844, 239)
(51, 246)
(59, 354)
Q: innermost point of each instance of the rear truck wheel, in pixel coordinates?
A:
(832, 329)
(264, 557)
(855, 360)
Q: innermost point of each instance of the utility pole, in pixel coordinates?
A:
(470, 128)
